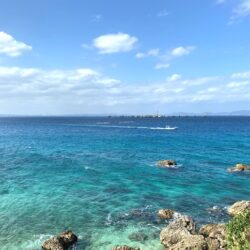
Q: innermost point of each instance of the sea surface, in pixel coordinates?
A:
(98, 177)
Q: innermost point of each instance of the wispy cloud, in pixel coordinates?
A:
(149, 53)
(221, 1)
(241, 75)
(11, 47)
(162, 13)
(162, 65)
(240, 11)
(114, 43)
(164, 58)
(97, 18)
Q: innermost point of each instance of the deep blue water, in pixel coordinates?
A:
(97, 176)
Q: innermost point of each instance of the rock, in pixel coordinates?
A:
(180, 234)
(125, 248)
(138, 236)
(238, 207)
(214, 235)
(183, 221)
(165, 214)
(239, 167)
(181, 239)
(60, 242)
(167, 163)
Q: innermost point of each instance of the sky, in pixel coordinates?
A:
(61, 57)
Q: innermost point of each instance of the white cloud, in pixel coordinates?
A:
(149, 53)
(164, 59)
(174, 77)
(182, 51)
(114, 43)
(10, 47)
(240, 11)
(234, 85)
(86, 90)
(162, 65)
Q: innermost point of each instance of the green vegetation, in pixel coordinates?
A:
(238, 232)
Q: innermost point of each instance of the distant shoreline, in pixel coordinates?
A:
(123, 116)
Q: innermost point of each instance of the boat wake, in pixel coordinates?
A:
(131, 127)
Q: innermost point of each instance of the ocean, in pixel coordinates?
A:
(98, 176)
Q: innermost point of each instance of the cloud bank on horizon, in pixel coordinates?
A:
(158, 61)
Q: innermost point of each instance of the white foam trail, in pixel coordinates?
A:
(130, 127)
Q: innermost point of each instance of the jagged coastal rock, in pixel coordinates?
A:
(60, 242)
(165, 214)
(238, 207)
(167, 163)
(239, 167)
(180, 234)
(125, 248)
(214, 235)
(184, 221)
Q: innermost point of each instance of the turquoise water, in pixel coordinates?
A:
(97, 176)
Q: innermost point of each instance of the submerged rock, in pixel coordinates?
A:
(60, 242)
(167, 163)
(214, 235)
(239, 167)
(138, 236)
(125, 248)
(238, 207)
(165, 214)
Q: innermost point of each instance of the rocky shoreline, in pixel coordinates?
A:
(180, 233)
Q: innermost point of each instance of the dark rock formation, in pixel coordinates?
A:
(60, 242)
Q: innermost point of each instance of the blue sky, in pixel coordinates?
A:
(124, 57)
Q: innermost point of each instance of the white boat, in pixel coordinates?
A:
(170, 128)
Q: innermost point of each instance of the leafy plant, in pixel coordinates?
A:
(238, 232)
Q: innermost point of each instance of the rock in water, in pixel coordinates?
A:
(165, 214)
(238, 207)
(180, 234)
(125, 248)
(215, 236)
(239, 167)
(60, 242)
(167, 163)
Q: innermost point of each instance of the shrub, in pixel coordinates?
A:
(238, 232)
